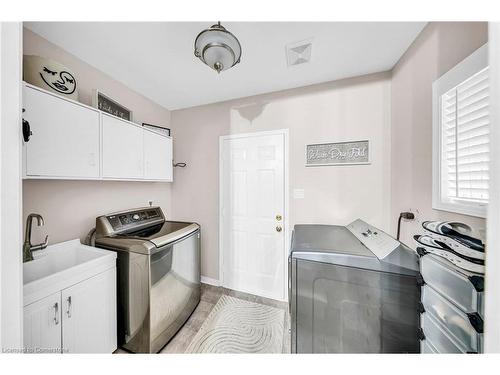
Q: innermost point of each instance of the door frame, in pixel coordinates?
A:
(286, 213)
(11, 265)
(492, 295)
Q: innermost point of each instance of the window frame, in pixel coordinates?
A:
(471, 65)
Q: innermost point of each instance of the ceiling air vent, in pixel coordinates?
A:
(299, 52)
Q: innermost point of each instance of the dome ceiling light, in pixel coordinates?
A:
(217, 48)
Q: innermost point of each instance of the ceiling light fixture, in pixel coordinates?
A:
(217, 48)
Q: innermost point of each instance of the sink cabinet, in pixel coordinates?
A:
(78, 319)
(42, 325)
(89, 315)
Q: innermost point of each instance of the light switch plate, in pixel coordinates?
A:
(298, 194)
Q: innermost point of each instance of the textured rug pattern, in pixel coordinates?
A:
(238, 326)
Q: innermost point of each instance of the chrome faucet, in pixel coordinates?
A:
(28, 248)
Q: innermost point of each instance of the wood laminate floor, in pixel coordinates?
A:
(209, 297)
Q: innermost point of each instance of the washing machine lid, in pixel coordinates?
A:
(148, 240)
(353, 246)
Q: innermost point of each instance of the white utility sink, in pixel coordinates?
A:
(62, 265)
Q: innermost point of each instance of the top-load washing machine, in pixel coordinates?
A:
(158, 270)
(352, 289)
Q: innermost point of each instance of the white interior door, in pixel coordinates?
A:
(252, 213)
(11, 237)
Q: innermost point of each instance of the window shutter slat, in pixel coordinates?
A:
(466, 139)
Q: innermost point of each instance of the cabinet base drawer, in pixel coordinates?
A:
(440, 339)
(462, 288)
(455, 322)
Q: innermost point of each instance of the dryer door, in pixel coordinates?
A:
(350, 310)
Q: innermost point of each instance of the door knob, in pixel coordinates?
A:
(278, 228)
(278, 217)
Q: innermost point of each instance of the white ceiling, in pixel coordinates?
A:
(156, 58)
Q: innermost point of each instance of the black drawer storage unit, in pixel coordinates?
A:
(451, 309)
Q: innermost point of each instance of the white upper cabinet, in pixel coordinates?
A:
(74, 141)
(122, 149)
(157, 157)
(65, 139)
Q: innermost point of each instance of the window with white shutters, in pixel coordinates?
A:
(462, 127)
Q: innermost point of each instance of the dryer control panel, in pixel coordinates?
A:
(379, 242)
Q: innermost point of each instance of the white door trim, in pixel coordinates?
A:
(286, 214)
(492, 280)
(11, 266)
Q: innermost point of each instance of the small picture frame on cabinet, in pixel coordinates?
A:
(104, 103)
(158, 129)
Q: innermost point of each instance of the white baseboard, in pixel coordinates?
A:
(210, 281)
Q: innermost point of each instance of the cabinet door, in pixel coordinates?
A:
(122, 149)
(42, 325)
(89, 315)
(157, 156)
(65, 140)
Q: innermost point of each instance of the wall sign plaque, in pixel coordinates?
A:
(339, 153)
(106, 104)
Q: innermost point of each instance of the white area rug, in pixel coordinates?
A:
(238, 326)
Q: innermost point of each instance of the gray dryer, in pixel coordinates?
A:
(352, 289)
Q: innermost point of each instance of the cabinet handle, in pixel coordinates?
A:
(56, 313)
(26, 131)
(68, 311)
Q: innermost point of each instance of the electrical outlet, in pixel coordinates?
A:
(417, 222)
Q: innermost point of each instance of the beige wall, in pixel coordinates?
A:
(438, 48)
(394, 113)
(70, 207)
(351, 109)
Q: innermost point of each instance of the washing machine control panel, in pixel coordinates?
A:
(127, 220)
(379, 242)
